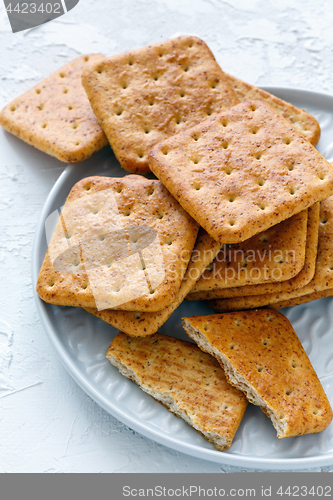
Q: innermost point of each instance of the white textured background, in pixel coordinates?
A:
(47, 423)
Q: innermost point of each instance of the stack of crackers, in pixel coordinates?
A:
(240, 214)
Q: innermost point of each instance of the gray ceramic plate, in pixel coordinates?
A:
(82, 341)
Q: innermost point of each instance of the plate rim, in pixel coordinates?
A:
(225, 458)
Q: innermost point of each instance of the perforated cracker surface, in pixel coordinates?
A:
(300, 119)
(143, 96)
(242, 171)
(187, 381)
(262, 352)
(295, 283)
(322, 279)
(96, 250)
(273, 256)
(55, 116)
(139, 324)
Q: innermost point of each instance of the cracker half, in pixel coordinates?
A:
(300, 119)
(300, 280)
(55, 116)
(322, 279)
(242, 171)
(275, 255)
(139, 324)
(145, 95)
(120, 242)
(190, 383)
(263, 357)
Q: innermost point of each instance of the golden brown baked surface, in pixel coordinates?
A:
(55, 116)
(242, 171)
(273, 256)
(262, 355)
(303, 299)
(93, 259)
(187, 381)
(147, 323)
(267, 289)
(145, 95)
(300, 119)
(322, 279)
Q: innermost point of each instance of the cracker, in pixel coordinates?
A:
(262, 356)
(322, 279)
(190, 383)
(145, 95)
(242, 171)
(273, 256)
(300, 280)
(120, 242)
(141, 324)
(55, 116)
(303, 299)
(300, 119)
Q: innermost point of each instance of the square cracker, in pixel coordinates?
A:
(300, 119)
(300, 280)
(95, 259)
(139, 324)
(242, 171)
(189, 382)
(145, 95)
(262, 356)
(322, 279)
(273, 256)
(55, 116)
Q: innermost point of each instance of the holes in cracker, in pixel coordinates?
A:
(323, 220)
(85, 286)
(291, 191)
(146, 130)
(87, 187)
(253, 107)
(62, 75)
(225, 145)
(95, 210)
(190, 44)
(150, 101)
(182, 93)
(290, 166)
(101, 237)
(169, 241)
(259, 369)
(156, 76)
(260, 182)
(195, 160)
(68, 235)
(270, 318)
(214, 83)
(77, 143)
(196, 137)
(258, 156)
(127, 212)
(330, 267)
(38, 91)
(231, 198)
(86, 58)
(288, 392)
(232, 346)
(117, 288)
(40, 107)
(254, 130)
(70, 107)
(265, 342)
(178, 120)
(151, 292)
(119, 189)
(286, 140)
(51, 283)
(13, 108)
(137, 315)
(130, 62)
(264, 238)
(206, 327)
(209, 112)
(238, 323)
(124, 85)
(197, 186)
(75, 125)
(44, 125)
(244, 264)
(165, 151)
(262, 206)
(65, 91)
(321, 176)
(118, 111)
(224, 123)
(293, 364)
(150, 191)
(228, 171)
(232, 222)
(140, 154)
(186, 67)
(315, 411)
(99, 70)
(159, 215)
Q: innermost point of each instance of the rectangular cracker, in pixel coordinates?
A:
(55, 116)
(263, 357)
(300, 119)
(300, 280)
(272, 256)
(242, 171)
(139, 324)
(190, 383)
(322, 279)
(145, 95)
(120, 242)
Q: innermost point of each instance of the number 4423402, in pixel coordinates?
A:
(32, 8)
(305, 491)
